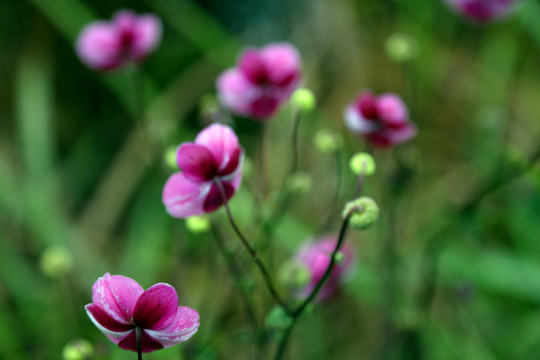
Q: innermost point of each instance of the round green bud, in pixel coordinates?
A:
(299, 182)
(340, 257)
(362, 162)
(401, 47)
(327, 141)
(294, 274)
(55, 261)
(169, 158)
(197, 224)
(79, 349)
(364, 210)
(304, 100)
(277, 318)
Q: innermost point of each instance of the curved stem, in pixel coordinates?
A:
(302, 307)
(138, 333)
(254, 255)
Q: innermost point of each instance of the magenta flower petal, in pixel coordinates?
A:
(156, 307)
(264, 106)
(116, 295)
(283, 64)
(182, 327)
(147, 343)
(221, 141)
(148, 35)
(252, 66)
(98, 46)
(99, 316)
(355, 121)
(236, 91)
(197, 162)
(183, 198)
(214, 199)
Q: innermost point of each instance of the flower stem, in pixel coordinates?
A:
(252, 252)
(138, 333)
(302, 307)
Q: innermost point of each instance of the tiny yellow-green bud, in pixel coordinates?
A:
(304, 100)
(294, 274)
(79, 349)
(197, 224)
(327, 141)
(340, 257)
(56, 261)
(299, 182)
(401, 47)
(362, 162)
(170, 158)
(277, 318)
(364, 210)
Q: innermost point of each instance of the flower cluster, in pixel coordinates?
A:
(127, 38)
(383, 120)
(483, 11)
(262, 80)
(120, 305)
(214, 160)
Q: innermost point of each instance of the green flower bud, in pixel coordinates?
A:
(294, 274)
(278, 319)
(169, 158)
(401, 47)
(365, 212)
(340, 257)
(79, 349)
(197, 224)
(304, 100)
(327, 141)
(299, 182)
(56, 261)
(362, 162)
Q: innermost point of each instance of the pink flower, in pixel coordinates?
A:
(127, 38)
(215, 155)
(383, 120)
(316, 257)
(483, 11)
(120, 304)
(263, 79)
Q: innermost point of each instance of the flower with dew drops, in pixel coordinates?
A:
(316, 256)
(120, 305)
(262, 80)
(383, 120)
(127, 38)
(214, 160)
(483, 11)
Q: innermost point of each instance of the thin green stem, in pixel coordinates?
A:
(138, 333)
(302, 307)
(252, 252)
(236, 274)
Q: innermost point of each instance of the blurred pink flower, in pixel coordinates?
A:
(316, 257)
(263, 79)
(383, 120)
(483, 11)
(215, 154)
(120, 304)
(127, 38)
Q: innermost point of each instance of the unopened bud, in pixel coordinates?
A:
(401, 47)
(362, 162)
(327, 141)
(56, 261)
(364, 212)
(299, 182)
(304, 100)
(197, 224)
(79, 349)
(294, 274)
(277, 319)
(169, 158)
(340, 257)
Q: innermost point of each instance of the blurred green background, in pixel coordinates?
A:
(81, 178)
